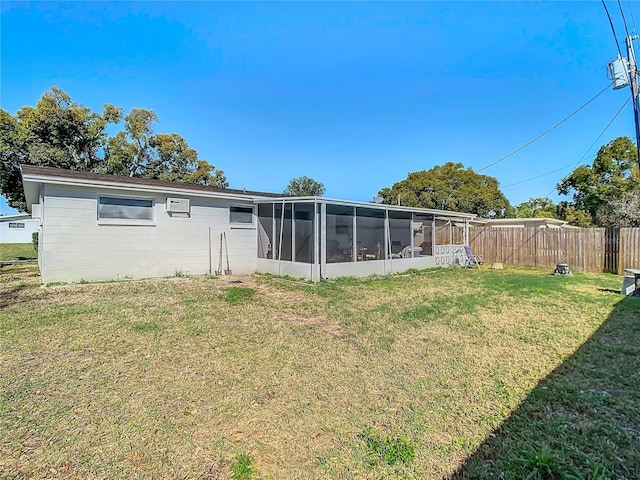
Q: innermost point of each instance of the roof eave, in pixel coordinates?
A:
(40, 179)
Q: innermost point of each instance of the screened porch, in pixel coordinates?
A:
(317, 238)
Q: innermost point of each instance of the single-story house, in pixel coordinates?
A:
(102, 227)
(17, 228)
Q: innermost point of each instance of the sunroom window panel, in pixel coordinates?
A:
(339, 228)
(369, 234)
(303, 216)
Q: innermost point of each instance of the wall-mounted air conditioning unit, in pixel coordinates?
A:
(177, 205)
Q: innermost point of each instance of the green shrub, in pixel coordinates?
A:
(34, 240)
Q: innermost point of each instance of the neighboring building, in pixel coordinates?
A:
(17, 228)
(103, 227)
(538, 222)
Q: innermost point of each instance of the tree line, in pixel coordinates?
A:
(603, 194)
(58, 132)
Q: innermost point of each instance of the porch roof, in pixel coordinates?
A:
(380, 206)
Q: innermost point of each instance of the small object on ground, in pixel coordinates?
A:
(562, 269)
(497, 266)
(235, 281)
(226, 249)
(631, 282)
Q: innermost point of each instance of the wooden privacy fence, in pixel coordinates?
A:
(588, 249)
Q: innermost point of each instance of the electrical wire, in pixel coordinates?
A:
(594, 142)
(501, 159)
(615, 37)
(574, 165)
(633, 20)
(624, 20)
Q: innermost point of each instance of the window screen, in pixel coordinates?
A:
(16, 225)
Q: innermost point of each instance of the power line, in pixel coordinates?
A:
(536, 177)
(624, 20)
(615, 37)
(633, 20)
(581, 158)
(594, 142)
(543, 133)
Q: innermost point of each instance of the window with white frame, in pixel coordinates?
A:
(122, 208)
(240, 215)
(16, 225)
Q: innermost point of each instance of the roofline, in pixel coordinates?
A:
(15, 216)
(356, 203)
(547, 220)
(58, 176)
(35, 175)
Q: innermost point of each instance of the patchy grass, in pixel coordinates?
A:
(442, 373)
(17, 251)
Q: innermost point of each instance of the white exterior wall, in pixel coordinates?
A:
(18, 235)
(76, 246)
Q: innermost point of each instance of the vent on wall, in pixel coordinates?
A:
(177, 205)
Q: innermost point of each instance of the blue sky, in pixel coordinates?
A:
(353, 94)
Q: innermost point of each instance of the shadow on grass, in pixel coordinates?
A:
(582, 421)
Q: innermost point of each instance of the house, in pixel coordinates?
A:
(17, 228)
(103, 227)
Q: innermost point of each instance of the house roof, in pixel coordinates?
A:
(14, 217)
(440, 214)
(34, 176)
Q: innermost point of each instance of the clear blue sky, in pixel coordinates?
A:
(353, 94)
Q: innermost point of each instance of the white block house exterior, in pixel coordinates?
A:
(102, 227)
(17, 228)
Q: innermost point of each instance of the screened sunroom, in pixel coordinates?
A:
(318, 238)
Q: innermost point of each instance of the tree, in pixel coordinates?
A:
(536, 208)
(304, 187)
(575, 216)
(450, 187)
(58, 132)
(613, 174)
(620, 212)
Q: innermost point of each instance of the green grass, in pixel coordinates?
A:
(242, 467)
(448, 373)
(15, 251)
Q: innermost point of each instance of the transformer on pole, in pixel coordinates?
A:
(625, 72)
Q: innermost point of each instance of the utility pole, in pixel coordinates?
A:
(625, 72)
(633, 83)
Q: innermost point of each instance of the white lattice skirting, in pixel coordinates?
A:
(448, 255)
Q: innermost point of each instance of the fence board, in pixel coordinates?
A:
(587, 249)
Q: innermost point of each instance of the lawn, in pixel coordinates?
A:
(14, 251)
(456, 373)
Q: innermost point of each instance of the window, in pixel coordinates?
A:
(16, 225)
(125, 208)
(241, 215)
